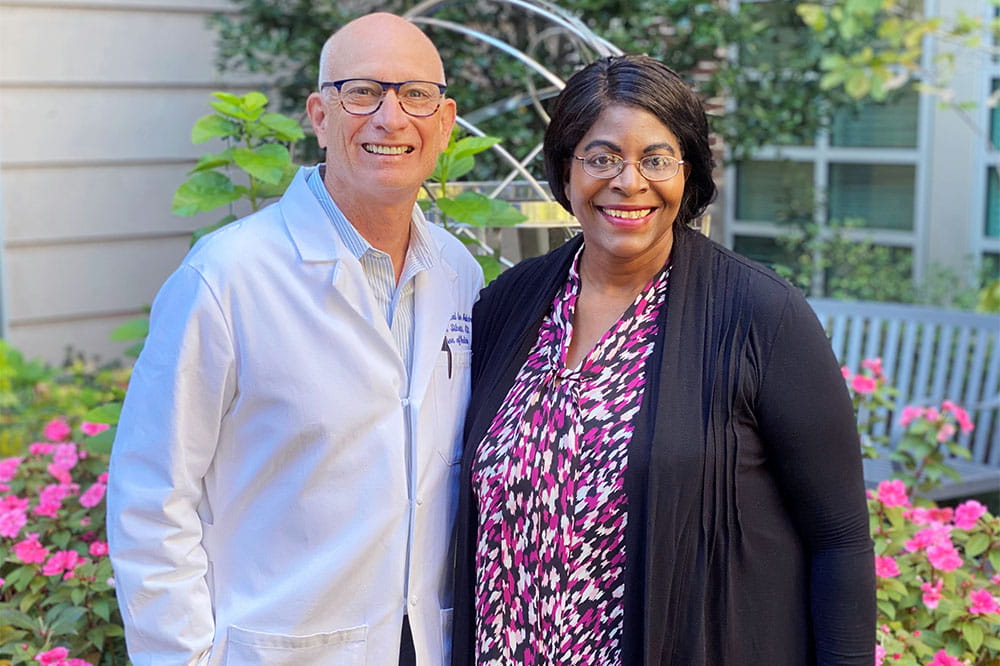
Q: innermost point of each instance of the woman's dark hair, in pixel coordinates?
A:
(645, 83)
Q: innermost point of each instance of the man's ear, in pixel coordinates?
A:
(316, 111)
(448, 113)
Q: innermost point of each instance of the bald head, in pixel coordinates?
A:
(376, 43)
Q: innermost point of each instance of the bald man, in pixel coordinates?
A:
(284, 478)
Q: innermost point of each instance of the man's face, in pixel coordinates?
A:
(388, 154)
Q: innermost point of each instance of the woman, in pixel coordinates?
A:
(661, 462)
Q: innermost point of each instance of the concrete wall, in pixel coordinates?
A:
(97, 100)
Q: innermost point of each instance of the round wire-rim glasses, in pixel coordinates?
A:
(654, 168)
(363, 97)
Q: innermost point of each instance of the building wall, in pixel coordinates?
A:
(97, 100)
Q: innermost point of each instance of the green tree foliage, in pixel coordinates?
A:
(780, 98)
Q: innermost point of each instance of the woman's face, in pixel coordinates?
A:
(626, 220)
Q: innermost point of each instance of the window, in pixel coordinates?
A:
(858, 181)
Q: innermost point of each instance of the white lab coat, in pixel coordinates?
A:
(262, 505)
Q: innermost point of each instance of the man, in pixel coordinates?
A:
(283, 482)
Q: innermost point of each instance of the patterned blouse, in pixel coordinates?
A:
(549, 481)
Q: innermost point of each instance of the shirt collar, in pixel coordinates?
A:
(421, 245)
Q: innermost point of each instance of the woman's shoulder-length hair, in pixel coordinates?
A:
(643, 82)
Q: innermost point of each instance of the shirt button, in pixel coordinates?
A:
(420, 501)
(413, 601)
(405, 402)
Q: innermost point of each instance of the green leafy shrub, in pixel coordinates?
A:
(257, 142)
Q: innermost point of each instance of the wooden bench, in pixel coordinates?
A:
(928, 355)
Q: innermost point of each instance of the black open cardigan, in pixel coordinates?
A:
(747, 540)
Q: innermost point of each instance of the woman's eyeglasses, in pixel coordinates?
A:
(651, 167)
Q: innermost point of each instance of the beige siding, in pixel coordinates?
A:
(97, 100)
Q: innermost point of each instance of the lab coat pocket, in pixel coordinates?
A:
(446, 620)
(451, 397)
(256, 648)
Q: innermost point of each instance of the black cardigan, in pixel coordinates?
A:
(747, 539)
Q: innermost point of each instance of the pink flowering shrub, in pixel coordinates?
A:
(937, 567)
(57, 603)
(930, 434)
(938, 588)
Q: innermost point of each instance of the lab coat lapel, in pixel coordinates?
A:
(435, 296)
(317, 242)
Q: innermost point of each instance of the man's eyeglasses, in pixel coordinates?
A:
(363, 97)
(609, 165)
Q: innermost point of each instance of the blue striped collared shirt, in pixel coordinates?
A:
(396, 300)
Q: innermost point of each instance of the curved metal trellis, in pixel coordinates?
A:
(587, 44)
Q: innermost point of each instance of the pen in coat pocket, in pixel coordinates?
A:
(447, 349)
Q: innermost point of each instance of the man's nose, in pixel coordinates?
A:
(390, 115)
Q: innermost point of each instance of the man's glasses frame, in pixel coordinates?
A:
(396, 86)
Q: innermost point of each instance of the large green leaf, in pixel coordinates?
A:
(205, 190)
(12, 618)
(102, 442)
(285, 128)
(491, 266)
(213, 161)
(472, 145)
(133, 329)
(267, 163)
(271, 191)
(212, 126)
(107, 413)
(477, 210)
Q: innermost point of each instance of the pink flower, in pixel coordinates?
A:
(962, 416)
(845, 372)
(13, 503)
(932, 594)
(50, 499)
(40, 448)
(983, 602)
(910, 414)
(99, 548)
(945, 432)
(11, 522)
(932, 414)
(929, 536)
(879, 655)
(942, 659)
(102, 477)
(8, 468)
(893, 493)
(63, 560)
(60, 473)
(886, 567)
(968, 513)
(65, 455)
(91, 429)
(30, 551)
(863, 385)
(873, 364)
(57, 430)
(93, 496)
(53, 657)
(995, 579)
(944, 557)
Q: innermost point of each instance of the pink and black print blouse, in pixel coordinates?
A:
(549, 480)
